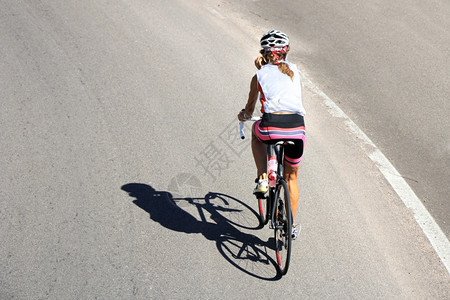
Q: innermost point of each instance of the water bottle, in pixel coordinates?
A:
(272, 170)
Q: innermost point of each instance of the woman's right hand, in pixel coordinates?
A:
(259, 62)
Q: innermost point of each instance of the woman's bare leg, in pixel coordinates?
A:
(259, 150)
(290, 174)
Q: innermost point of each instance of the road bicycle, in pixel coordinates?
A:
(275, 206)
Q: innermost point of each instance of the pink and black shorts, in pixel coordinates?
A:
(273, 128)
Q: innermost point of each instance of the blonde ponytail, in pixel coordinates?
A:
(270, 57)
(284, 68)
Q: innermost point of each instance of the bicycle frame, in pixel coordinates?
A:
(278, 150)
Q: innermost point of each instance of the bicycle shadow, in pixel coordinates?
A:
(220, 215)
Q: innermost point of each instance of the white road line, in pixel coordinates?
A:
(215, 12)
(429, 226)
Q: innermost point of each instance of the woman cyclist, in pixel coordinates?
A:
(277, 82)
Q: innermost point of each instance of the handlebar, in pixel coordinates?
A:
(241, 126)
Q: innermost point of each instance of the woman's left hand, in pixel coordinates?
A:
(241, 116)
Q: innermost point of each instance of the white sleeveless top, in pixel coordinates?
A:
(278, 93)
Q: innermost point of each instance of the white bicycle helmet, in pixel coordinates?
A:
(274, 40)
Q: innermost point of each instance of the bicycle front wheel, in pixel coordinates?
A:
(262, 201)
(282, 226)
(264, 208)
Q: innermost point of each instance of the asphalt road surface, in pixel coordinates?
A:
(123, 176)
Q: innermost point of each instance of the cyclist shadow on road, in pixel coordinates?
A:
(220, 215)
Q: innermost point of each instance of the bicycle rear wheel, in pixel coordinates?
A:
(282, 226)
